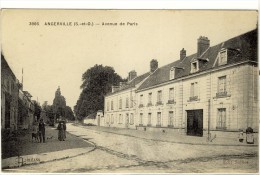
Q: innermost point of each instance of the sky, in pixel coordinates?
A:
(53, 56)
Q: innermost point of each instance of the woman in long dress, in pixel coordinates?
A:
(61, 134)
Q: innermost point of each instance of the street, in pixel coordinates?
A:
(120, 153)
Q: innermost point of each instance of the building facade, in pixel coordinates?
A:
(9, 97)
(213, 91)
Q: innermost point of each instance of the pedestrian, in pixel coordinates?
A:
(35, 132)
(61, 132)
(42, 131)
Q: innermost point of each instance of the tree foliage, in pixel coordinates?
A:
(97, 82)
(38, 109)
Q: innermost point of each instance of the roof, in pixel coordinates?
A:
(91, 116)
(132, 83)
(240, 48)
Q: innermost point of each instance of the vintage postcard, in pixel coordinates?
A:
(129, 91)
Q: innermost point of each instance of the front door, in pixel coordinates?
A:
(195, 122)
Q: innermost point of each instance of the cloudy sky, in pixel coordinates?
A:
(53, 56)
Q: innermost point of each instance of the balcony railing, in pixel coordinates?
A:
(170, 126)
(221, 128)
(141, 105)
(141, 125)
(158, 125)
(159, 103)
(194, 98)
(221, 94)
(149, 104)
(149, 125)
(170, 102)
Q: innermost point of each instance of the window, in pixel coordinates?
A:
(222, 57)
(171, 96)
(141, 119)
(159, 97)
(108, 118)
(221, 86)
(172, 73)
(112, 118)
(170, 121)
(131, 101)
(120, 103)
(158, 119)
(149, 99)
(120, 119)
(221, 123)
(127, 102)
(131, 118)
(112, 105)
(107, 105)
(141, 101)
(194, 67)
(194, 91)
(149, 119)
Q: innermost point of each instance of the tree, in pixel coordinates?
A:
(38, 110)
(69, 114)
(97, 82)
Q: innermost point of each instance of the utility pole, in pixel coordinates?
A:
(209, 136)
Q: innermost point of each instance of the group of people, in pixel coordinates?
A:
(38, 131)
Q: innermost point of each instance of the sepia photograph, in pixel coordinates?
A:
(129, 91)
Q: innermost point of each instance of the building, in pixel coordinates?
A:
(120, 105)
(213, 91)
(9, 97)
(26, 110)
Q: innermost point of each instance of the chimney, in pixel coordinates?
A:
(132, 75)
(153, 65)
(203, 45)
(182, 54)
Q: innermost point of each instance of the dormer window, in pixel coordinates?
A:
(222, 59)
(194, 66)
(172, 73)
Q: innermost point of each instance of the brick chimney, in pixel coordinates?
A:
(153, 65)
(182, 54)
(132, 75)
(203, 45)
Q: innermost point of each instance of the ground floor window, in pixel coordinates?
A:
(120, 118)
(108, 118)
(170, 120)
(131, 118)
(149, 119)
(141, 119)
(158, 118)
(221, 118)
(112, 118)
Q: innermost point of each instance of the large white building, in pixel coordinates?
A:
(212, 91)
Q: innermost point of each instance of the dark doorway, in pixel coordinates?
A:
(195, 122)
(7, 114)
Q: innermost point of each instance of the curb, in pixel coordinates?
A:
(186, 143)
(35, 160)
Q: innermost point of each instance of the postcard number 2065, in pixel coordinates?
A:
(34, 23)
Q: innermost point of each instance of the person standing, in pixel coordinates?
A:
(61, 133)
(42, 131)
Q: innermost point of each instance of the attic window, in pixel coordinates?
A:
(194, 66)
(172, 73)
(222, 59)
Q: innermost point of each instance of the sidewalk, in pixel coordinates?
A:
(171, 137)
(33, 152)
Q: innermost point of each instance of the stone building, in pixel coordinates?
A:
(213, 91)
(9, 97)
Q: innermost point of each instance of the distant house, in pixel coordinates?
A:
(94, 118)
(213, 90)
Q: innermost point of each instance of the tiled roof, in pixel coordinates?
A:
(132, 83)
(240, 48)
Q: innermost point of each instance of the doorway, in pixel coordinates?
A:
(195, 122)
